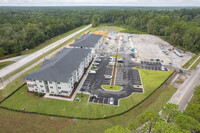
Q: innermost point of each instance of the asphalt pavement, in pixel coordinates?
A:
(185, 92)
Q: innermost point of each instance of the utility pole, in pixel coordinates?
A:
(43, 56)
(3, 86)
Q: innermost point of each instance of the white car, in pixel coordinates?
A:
(108, 76)
(92, 71)
(95, 63)
(111, 101)
(162, 68)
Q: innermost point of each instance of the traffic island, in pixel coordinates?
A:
(112, 87)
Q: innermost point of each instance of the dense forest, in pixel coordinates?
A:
(170, 120)
(179, 27)
(26, 28)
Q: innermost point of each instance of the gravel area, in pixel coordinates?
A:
(152, 47)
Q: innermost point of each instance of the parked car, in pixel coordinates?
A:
(121, 60)
(162, 68)
(108, 76)
(95, 66)
(92, 71)
(111, 101)
(94, 96)
(96, 63)
(98, 60)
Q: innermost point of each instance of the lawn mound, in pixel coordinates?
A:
(22, 99)
(112, 87)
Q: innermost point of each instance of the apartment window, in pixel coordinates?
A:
(41, 85)
(35, 84)
(51, 87)
(35, 89)
(50, 82)
(52, 92)
(59, 87)
(40, 81)
(42, 90)
(58, 82)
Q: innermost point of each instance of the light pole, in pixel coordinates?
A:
(3, 86)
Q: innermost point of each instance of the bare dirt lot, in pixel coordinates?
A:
(152, 47)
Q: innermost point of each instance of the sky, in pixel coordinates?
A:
(99, 2)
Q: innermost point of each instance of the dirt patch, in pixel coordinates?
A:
(103, 33)
(180, 80)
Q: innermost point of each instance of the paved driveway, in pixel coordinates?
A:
(125, 77)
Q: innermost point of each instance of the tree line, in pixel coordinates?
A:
(170, 120)
(181, 27)
(26, 28)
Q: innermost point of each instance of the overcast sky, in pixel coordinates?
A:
(99, 2)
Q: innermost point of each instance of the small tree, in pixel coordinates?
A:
(169, 112)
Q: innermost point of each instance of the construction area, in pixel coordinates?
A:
(151, 48)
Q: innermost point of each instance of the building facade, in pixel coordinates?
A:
(59, 75)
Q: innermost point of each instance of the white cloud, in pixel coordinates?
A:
(99, 2)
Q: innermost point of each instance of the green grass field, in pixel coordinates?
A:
(112, 87)
(21, 122)
(187, 64)
(6, 63)
(32, 103)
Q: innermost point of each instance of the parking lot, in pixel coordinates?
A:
(151, 65)
(125, 76)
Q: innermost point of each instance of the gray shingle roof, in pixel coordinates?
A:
(88, 40)
(60, 67)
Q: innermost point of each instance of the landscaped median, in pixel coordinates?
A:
(112, 87)
(6, 63)
(118, 56)
(22, 99)
(195, 64)
(187, 64)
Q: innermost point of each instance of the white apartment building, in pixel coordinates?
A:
(58, 75)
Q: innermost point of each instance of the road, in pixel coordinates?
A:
(14, 58)
(185, 92)
(11, 68)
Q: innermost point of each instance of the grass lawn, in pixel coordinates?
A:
(32, 123)
(6, 63)
(118, 56)
(187, 64)
(23, 99)
(195, 64)
(111, 47)
(112, 87)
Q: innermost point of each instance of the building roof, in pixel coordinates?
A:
(60, 67)
(87, 40)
